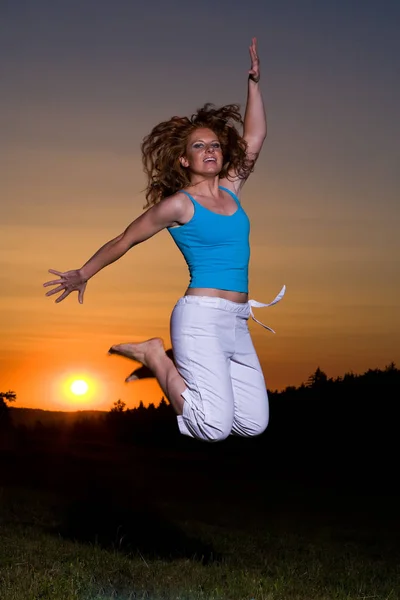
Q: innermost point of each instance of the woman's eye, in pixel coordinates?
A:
(197, 146)
(216, 145)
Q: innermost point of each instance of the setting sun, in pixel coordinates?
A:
(79, 387)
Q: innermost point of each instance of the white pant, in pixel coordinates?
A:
(214, 353)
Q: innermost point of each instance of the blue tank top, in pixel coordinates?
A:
(216, 247)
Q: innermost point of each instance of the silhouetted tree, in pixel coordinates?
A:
(391, 367)
(164, 409)
(118, 406)
(151, 409)
(4, 409)
(317, 379)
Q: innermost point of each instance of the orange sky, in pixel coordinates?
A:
(323, 202)
(339, 311)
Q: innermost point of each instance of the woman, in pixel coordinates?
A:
(196, 168)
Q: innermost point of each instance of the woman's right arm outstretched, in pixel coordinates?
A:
(166, 213)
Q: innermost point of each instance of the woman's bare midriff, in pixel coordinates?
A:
(240, 297)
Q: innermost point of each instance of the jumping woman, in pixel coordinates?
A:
(196, 169)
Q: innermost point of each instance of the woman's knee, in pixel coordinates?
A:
(202, 432)
(252, 425)
(260, 426)
(216, 433)
(206, 425)
(214, 430)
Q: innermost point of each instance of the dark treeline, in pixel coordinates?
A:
(343, 428)
(331, 429)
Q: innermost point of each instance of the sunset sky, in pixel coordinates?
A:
(82, 82)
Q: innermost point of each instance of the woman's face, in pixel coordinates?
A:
(203, 153)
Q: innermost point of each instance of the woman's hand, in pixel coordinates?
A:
(254, 72)
(70, 281)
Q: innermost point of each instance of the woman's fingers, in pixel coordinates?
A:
(64, 295)
(253, 50)
(69, 281)
(65, 292)
(254, 71)
(81, 294)
(56, 290)
(59, 281)
(54, 282)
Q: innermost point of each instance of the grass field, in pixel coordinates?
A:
(89, 523)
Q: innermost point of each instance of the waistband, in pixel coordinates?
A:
(244, 309)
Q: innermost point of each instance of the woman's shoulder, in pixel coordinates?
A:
(179, 198)
(180, 204)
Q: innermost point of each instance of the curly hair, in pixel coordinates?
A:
(166, 143)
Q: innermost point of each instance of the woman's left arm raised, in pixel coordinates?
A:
(255, 120)
(254, 124)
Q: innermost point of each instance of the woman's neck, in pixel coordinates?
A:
(205, 187)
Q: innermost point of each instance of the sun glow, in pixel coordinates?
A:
(79, 387)
(77, 390)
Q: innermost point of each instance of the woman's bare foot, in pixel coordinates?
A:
(145, 352)
(152, 355)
